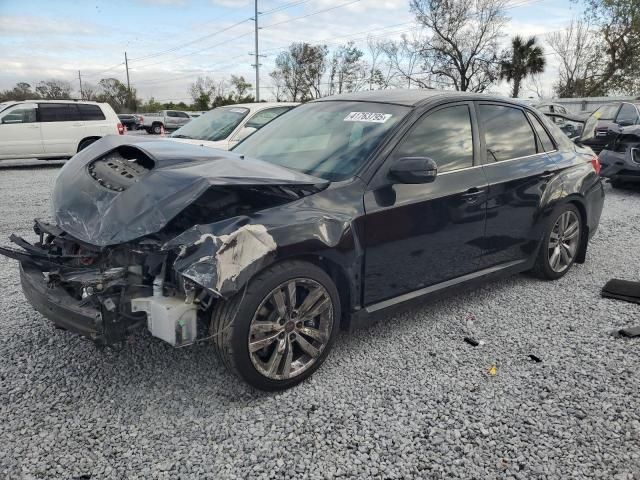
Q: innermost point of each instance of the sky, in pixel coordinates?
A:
(170, 43)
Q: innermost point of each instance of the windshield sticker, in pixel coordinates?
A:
(367, 117)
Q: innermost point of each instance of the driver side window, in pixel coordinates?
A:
(20, 114)
(445, 136)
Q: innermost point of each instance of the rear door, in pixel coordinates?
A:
(20, 134)
(62, 128)
(518, 170)
(418, 235)
(95, 121)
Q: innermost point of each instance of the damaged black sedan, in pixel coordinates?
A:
(331, 215)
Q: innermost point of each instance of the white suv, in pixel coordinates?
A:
(53, 128)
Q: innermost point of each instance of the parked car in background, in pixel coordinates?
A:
(572, 129)
(131, 121)
(605, 123)
(197, 114)
(52, 129)
(224, 127)
(331, 215)
(620, 158)
(164, 120)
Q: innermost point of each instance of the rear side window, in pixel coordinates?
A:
(90, 112)
(260, 119)
(507, 133)
(59, 112)
(444, 135)
(546, 144)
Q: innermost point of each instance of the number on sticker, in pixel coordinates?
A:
(367, 117)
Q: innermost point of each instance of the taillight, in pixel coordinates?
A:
(120, 129)
(595, 162)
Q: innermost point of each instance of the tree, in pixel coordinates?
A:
(348, 71)
(380, 72)
(618, 23)
(463, 45)
(300, 69)
(21, 91)
(580, 66)
(404, 58)
(525, 58)
(54, 89)
(89, 91)
(116, 94)
(240, 85)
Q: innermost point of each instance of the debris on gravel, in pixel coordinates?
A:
(404, 398)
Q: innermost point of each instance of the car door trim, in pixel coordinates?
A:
(376, 307)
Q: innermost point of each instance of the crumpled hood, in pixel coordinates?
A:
(104, 199)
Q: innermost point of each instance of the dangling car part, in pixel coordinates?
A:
(620, 159)
(334, 213)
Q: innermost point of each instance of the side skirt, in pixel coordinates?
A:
(402, 302)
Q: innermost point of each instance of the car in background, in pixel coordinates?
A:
(224, 127)
(197, 114)
(166, 120)
(53, 129)
(605, 123)
(620, 158)
(131, 121)
(572, 129)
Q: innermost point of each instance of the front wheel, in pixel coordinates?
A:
(280, 330)
(560, 245)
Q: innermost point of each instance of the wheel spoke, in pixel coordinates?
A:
(313, 296)
(263, 342)
(266, 327)
(555, 258)
(291, 295)
(312, 351)
(318, 308)
(553, 239)
(572, 231)
(566, 257)
(276, 357)
(286, 369)
(279, 302)
(314, 333)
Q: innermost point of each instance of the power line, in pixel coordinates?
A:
(311, 14)
(284, 7)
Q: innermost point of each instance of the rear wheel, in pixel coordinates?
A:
(560, 245)
(280, 330)
(85, 143)
(156, 129)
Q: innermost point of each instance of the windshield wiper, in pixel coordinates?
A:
(180, 136)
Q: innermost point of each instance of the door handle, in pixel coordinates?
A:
(471, 195)
(77, 124)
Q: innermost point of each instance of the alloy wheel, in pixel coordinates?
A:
(563, 241)
(290, 329)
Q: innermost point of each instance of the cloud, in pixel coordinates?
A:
(17, 25)
(173, 3)
(230, 3)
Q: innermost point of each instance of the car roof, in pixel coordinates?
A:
(37, 100)
(254, 107)
(414, 97)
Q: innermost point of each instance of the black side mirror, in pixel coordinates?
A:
(414, 170)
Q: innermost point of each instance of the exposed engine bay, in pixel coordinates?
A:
(620, 159)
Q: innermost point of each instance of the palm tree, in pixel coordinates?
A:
(525, 58)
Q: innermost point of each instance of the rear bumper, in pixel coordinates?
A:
(594, 199)
(59, 307)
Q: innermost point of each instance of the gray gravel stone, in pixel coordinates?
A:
(405, 398)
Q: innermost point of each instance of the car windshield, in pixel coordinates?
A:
(330, 139)
(606, 112)
(214, 125)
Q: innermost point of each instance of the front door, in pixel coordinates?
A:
(417, 235)
(20, 132)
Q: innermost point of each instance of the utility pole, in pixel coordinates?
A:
(255, 18)
(126, 64)
(80, 79)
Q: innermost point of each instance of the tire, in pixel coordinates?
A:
(156, 128)
(250, 315)
(553, 263)
(85, 143)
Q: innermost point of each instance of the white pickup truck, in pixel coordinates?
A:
(167, 119)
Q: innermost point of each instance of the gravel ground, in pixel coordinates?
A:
(405, 398)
